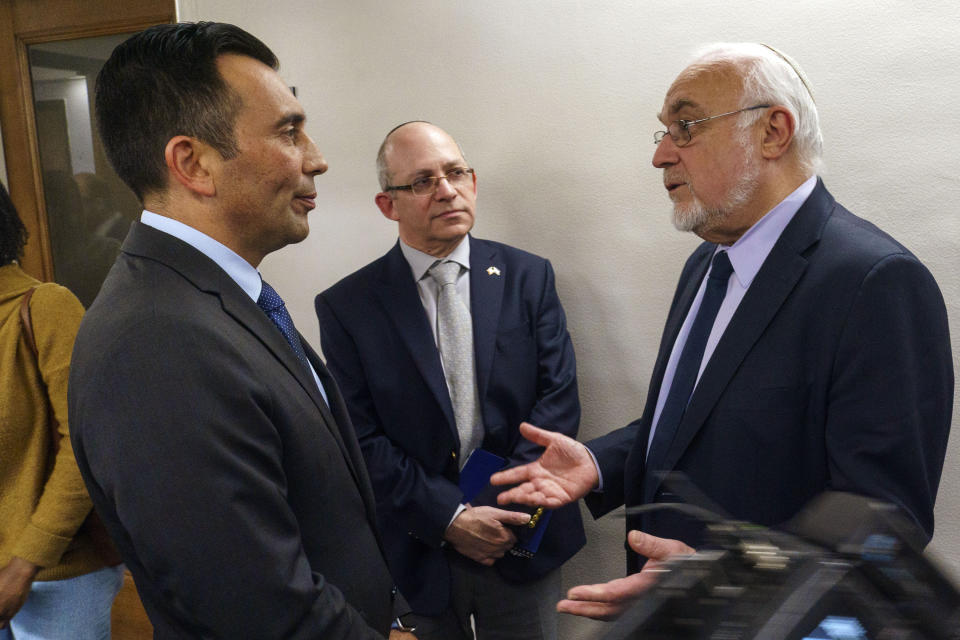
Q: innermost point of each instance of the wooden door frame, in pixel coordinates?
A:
(27, 22)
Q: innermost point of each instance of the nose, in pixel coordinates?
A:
(445, 190)
(665, 153)
(313, 161)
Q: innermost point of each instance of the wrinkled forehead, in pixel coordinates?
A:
(701, 91)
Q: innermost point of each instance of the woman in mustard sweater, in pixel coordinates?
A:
(53, 583)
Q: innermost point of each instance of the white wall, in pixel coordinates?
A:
(554, 102)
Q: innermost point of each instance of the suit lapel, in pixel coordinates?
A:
(242, 309)
(401, 302)
(778, 276)
(208, 277)
(339, 419)
(679, 309)
(257, 322)
(487, 276)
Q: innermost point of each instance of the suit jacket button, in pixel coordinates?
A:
(453, 454)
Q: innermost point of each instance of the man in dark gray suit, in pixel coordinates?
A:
(213, 441)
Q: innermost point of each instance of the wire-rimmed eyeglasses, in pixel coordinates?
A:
(457, 178)
(679, 130)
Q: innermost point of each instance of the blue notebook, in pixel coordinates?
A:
(475, 475)
(476, 488)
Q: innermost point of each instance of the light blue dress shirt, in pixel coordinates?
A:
(746, 255)
(241, 271)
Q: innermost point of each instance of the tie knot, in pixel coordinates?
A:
(269, 299)
(721, 267)
(445, 273)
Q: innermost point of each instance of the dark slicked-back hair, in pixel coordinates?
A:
(13, 235)
(164, 82)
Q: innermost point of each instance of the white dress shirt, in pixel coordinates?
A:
(420, 264)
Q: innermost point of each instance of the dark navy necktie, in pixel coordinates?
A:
(688, 367)
(272, 305)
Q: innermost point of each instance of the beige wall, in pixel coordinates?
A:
(554, 104)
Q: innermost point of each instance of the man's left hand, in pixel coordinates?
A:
(482, 533)
(609, 600)
(15, 580)
(396, 634)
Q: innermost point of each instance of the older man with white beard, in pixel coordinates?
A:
(805, 350)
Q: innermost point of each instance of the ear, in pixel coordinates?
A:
(386, 205)
(778, 128)
(188, 161)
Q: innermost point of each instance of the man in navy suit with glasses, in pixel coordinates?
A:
(442, 347)
(805, 349)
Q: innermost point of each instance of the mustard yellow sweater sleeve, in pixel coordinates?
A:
(41, 512)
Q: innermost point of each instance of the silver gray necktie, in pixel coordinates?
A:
(455, 340)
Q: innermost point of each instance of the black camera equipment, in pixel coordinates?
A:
(846, 568)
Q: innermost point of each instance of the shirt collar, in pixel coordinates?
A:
(748, 253)
(241, 271)
(421, 262)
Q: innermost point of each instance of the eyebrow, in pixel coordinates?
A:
(682, 103)
(294, 117)
(422, 173)
(449, 166)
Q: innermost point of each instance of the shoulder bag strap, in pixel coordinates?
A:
(94, 526)
(27, 322)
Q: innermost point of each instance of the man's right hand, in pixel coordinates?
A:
(563, 474)
(480, 533)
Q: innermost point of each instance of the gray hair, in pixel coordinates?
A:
(383, 176)
(771, 77)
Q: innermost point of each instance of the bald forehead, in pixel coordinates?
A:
(416, 133)
(419, 148)
(699, 89)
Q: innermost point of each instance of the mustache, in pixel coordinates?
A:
(673, 178)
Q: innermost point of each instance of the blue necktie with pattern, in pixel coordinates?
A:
(272, 305)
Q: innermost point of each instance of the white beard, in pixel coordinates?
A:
(695, 216)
